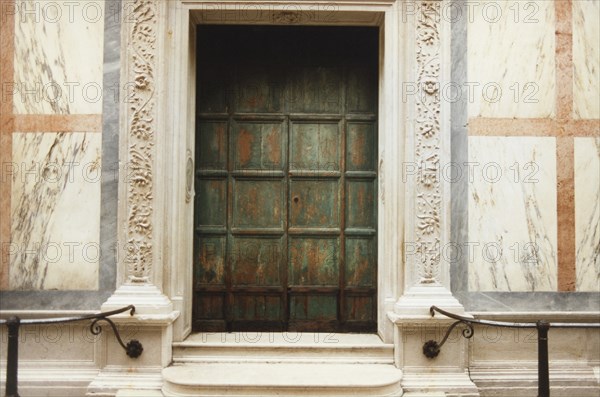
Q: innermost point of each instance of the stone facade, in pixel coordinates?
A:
(489, 148)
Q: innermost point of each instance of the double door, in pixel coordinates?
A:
(286, 179)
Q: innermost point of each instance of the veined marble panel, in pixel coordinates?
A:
(586, 59)
(511, 58)
(587, 213)
(512, 214)
(55, 207)
(58, 57)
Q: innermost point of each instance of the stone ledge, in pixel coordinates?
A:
(567, 379)
(139, 393)
(113, 379)
(281, 379)
(278, 348)
(442, 383)
(42, 378)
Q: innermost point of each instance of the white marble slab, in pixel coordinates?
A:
(586, 59)
(55, 210)
(512, 214)
(58, 57)
(511, 47)
(587, 213)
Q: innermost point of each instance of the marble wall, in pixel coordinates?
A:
(58, 57)
(63, 156)
(55, 211)
(541, 217)
(587, 213)
(586, 59)
(511, 58)
(55, 186)
(512, 214)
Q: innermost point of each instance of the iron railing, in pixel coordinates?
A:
(432, 348)
(133, 348)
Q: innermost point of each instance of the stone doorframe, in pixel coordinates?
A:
(157, 134)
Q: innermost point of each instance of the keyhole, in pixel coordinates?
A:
(296, 199)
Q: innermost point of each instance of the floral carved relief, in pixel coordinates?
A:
(427, 141)
(141, 129)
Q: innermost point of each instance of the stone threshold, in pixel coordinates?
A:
(281, 339)
(251, 379)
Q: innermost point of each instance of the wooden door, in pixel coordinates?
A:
(286, 179)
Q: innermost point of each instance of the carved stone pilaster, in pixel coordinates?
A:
(137, 156)
(426, 274)
(427, 142)
(141, 130)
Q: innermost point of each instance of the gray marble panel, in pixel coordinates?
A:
(110, 146)
(459, 148)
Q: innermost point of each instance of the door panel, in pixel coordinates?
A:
(360, 254)
(362, 95)
(360, 309)
(314, 261)
(251, 308)
(314, 203)
(258, 146)
(360, 203)
(313, 308)
(258, 89)
(315, 146)
(212, 193)
(360, 150)
(257, 261)
(315, 89)
(210, 261)
(286, 178)
(213, 147)
(258, 204)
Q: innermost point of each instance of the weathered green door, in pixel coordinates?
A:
(286, 178)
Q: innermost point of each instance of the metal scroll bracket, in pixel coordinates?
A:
(431, 348)
(133, 348)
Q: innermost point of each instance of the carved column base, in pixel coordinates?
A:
(417, 300)
(146, 298)
(446, 374)
(152, 326)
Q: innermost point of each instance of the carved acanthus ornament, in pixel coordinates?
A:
(141, 129)
(427, 141)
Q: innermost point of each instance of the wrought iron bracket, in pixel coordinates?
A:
(431, 348)
(133, 348)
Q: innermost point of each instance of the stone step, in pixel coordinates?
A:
(283, 379)
(283, 348)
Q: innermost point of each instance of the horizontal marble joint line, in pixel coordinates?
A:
(483, 126)
(55, 123)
